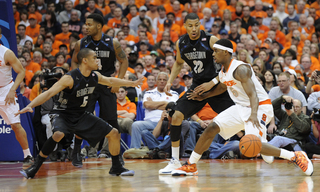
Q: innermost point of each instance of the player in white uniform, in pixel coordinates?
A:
(252, 112)
(8, 104)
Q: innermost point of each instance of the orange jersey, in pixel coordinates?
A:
(141, 55)
(174, 27)
(105, 10)
(129, 106)
(129, 38)
(262, 13)
(28, 77)
(221, 4)
(33, 32)
(64, 38)
(169, 8)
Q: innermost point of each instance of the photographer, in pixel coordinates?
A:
(294, 125)
(315, 78)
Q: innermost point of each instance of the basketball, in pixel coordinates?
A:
(250, 145)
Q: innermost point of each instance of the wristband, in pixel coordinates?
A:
(215, 81)
(198, 120)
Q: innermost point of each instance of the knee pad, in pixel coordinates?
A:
(175, 132)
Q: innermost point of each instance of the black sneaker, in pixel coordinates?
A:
(30, 172)
(77, 160)
(153, 154)
(163, 155)
(28, 160)
(69, 153)
(120, 171)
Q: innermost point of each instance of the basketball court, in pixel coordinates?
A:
(214, 175)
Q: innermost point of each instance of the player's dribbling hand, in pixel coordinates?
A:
(254, 120)
(10, 98)
(194, 96)
(167, 89)
(204, 87)
(24, 110)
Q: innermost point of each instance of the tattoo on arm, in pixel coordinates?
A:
(119, 52)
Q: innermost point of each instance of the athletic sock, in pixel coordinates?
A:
(194, 157)
(116, 161)
(77, 145)
(26, 152)
(286, 154)
(175, 152)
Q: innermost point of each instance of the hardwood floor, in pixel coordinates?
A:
(214, 175)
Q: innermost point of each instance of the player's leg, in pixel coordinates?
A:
(227, 124)
(183, 109)
(14, 121)
(47, 148)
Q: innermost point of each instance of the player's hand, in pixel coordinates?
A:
(10, 98)
(204, 87)
(254, 120)
(194, 96)
(115, 89)
(24, 110)
(138, 82)
(271, 128)
(167, 89)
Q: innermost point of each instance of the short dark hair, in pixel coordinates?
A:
(83, 53)
(65, 22)
(97, 18)
(171, 13)
(191, 16)
(112, 2)
(161, 7)
(21, 25)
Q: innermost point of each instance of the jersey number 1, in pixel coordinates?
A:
(85, 101)
(198, 68)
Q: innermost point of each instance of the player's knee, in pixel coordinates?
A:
(16, 126)
(57, 136)
(177, 117)
(114, 133)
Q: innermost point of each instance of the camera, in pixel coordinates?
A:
(287, 105)
(316, 115)
(51, 77)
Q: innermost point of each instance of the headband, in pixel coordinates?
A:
(218, 46)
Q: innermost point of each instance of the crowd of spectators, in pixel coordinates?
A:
(280, 39)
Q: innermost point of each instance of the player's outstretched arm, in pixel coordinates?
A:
(74, 60)
(243, 74)
(111, 81)
(65, 82)
(176, 68)
(11, 58)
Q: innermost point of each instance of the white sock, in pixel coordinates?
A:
(175, 152)
(26, 152)
(286, 154)
(194, 157)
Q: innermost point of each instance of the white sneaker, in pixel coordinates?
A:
(268, 159)
(172, 165)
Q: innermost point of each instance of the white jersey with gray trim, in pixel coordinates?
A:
(235, 89)
(5, 70)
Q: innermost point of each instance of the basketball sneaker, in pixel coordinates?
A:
(301, 159)
(172, 165)
(120, 171)
(28, 160)
(34, 168)
(187, 169)
(268, 159)
(76, 159)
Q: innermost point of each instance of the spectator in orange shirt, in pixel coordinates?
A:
(31, 66)
(32, 9)
(279, 36)
(133, 12)
(33, 29)
(64, 35)
(238, 13)
(169, 6)
(309, 29)
(258, 10)
(175, 27)
(142, 27)
(115, 22)
(143, 49)
(29, 74)
(16, 13)
(112, 5)
(302, 21)
(255, 33)
(126, 111)
(149, 63)
(262, 28)
(167, 25)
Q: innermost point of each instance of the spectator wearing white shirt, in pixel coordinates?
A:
(22, 32)
(154, 102)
